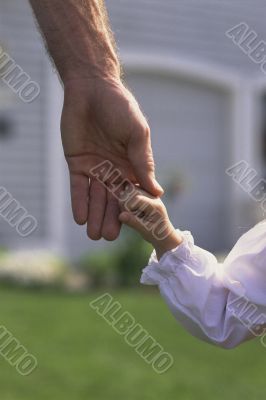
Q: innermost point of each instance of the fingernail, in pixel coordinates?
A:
(158, 186)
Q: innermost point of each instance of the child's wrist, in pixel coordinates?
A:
(173, 240)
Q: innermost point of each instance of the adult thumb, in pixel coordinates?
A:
(141, 158)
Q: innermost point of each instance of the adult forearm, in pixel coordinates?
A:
(78, 38)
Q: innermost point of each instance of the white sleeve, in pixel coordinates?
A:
(224, 304)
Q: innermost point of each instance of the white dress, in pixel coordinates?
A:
(224, 304)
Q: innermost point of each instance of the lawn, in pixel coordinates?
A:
(81, 357)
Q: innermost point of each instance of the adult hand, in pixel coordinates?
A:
(101, 121)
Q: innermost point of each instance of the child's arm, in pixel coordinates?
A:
(148, 216)
(214, 302)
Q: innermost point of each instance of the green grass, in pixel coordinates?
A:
(81, 357)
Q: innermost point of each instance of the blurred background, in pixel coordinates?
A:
(205, 103)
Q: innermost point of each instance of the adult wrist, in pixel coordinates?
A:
(110, 70)
(88, 87)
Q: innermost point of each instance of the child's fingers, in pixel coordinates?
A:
(138, 202)
(130, 220)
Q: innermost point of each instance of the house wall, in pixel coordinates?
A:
(188, 29)
(23, 160)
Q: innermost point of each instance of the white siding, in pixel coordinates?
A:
(188, 28)
(23, 155)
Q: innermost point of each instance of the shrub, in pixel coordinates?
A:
(121, 266)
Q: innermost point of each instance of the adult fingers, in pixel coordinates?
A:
(79, 186)
(97, 206)
(111, 224)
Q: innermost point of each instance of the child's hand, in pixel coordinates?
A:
(148, 216)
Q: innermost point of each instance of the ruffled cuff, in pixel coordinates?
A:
(158, 271)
